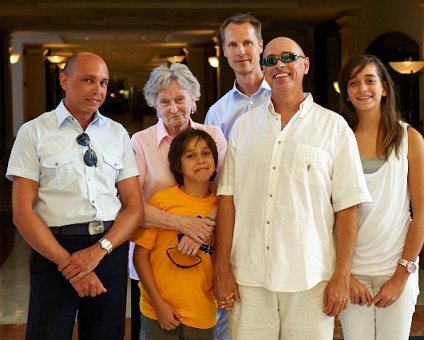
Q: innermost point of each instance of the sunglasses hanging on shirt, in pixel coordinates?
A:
(90, 157)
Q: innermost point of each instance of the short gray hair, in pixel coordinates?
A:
(161, 78)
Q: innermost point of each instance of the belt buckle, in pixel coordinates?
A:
(96, 227)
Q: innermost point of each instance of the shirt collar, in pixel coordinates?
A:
(303, 107)
(264, 86)
(162, 133)
(62, 114)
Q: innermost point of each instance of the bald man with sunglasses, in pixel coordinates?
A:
(76, 200)
(291, 176)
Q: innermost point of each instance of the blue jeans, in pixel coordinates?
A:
(221, 328)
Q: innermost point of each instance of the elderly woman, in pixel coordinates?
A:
(173, 93)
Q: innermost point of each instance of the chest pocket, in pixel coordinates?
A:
(112, 166)
(310, 165)
(59, 170)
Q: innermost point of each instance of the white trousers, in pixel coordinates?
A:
(372, 323)
(267, 315)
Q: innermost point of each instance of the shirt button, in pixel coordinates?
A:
(268, 222)
(56, 164)
(93, 201)
(267, 248)
(274, 167)
(279, 142)
(115, 164)
(270, 195)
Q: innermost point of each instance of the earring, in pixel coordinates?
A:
(192, 111)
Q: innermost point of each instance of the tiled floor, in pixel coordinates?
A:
(14, 278)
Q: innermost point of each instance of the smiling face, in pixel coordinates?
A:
(85, 84)
(242, 48)
(174, 104)
(365, 89)
(286, 77)
(197, 162)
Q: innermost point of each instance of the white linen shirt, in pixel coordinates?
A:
(46, 151)
(233, 104)
(287, 184)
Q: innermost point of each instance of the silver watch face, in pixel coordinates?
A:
(411, 267)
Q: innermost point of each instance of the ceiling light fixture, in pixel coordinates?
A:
(407, 66)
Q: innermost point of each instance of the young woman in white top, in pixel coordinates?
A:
(384, 280)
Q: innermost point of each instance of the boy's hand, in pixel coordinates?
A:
(168, 317)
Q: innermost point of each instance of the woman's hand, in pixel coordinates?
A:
(188, 246)
(389, 292)
(200, 230)
(359, 294)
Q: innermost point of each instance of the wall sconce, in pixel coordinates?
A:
(214, 59)
(175, 59)
(407, 66)
(56, 59)
(336, 86)
(14, 58)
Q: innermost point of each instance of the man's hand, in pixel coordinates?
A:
(336, 295)
(89, 285)
(81, 263)
(225, 287)
(359, 294)
(200, 230)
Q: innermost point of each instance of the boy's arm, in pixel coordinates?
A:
(168, 317)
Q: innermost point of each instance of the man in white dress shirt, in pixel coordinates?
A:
(291, 175)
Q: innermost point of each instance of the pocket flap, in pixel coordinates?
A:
(113, 161)
(56, 161)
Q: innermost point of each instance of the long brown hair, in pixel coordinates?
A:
(390, 132)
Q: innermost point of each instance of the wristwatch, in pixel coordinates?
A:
(106, 245)
(410, 266)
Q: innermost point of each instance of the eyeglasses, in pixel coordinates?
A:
(90, 157)
(285, 57)
(186, 261)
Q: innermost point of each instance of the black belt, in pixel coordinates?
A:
(90, 228)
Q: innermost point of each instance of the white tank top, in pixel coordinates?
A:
(383, 223)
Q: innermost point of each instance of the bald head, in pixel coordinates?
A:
(80, 58)
(282, 44)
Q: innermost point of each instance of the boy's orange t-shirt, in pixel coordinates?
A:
(188, 290)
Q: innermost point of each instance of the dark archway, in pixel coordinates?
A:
(396, 46)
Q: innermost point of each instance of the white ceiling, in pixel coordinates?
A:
(135, 36)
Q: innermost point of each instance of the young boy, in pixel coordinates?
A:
(177, 299)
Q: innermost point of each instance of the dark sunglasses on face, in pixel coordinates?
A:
(285, 57)
(90, 157)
